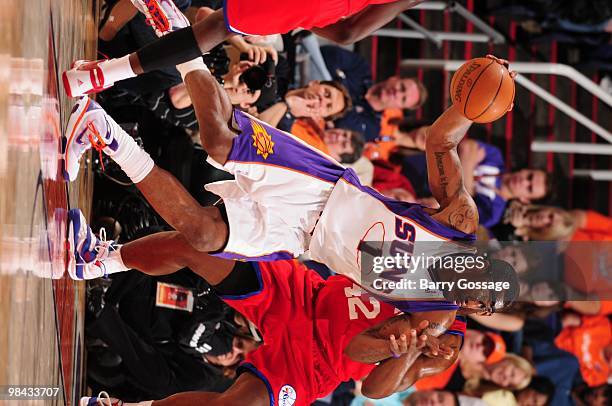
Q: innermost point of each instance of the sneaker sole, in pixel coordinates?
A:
(79, 113)
(75, 260)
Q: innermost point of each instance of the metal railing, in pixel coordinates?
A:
(438, 37)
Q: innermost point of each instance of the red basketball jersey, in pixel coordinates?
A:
(306, 323)
(262, 17)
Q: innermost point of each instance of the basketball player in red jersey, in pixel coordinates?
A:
(342, 21)
(316, 333)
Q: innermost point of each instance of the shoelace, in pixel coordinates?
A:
(103, 398)
(98, 142)
(103, 249)
(161, 23)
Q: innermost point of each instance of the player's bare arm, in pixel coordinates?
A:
(387, 377)
(427, 366)
(362, 24)
(457, 208)
(372, 345)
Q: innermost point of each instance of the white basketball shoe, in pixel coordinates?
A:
(101, 400)
(89, 126)
(88, 255)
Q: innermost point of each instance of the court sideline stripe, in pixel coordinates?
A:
(57, 326)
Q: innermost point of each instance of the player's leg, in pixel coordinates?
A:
(167, 252)
(203, 227)
(214, 111)
(183, 44)
(156, 254)
(89, 125)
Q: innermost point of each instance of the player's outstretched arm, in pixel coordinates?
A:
(457, 208)
(362, 24)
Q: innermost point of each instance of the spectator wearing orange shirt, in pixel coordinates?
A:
(589, 338)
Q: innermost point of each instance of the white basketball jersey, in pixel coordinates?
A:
(357, 219)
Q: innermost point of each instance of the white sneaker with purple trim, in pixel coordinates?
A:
(88, 126)
(87, 253)
(101, 400)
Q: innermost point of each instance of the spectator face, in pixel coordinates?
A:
(430, 398)
(515, 257)
(540, 294)
(473, 347)
(544, 218)
(505, 374)
(322, 100)
(338, 142)
(394, 93)
(527, 184)
(242, 96)
(597, 397)
(531, 397)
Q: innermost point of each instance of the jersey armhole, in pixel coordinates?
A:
(250, 368)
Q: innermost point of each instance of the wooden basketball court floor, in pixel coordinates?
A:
(41, 309)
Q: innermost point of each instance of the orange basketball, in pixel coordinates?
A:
(483, 90)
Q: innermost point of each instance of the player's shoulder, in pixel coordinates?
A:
(460, 215)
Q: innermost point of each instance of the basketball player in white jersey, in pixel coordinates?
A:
(287, 198)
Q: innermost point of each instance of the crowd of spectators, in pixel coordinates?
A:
(553, 348)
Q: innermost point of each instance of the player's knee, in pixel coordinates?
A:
(209, 233)
(201, 239)
(216, 145)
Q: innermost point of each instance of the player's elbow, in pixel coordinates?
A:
(345, 37)
(439, 142)
(341, 33)
(351, 351)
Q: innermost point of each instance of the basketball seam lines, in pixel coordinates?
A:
(467, 99)
(494, 97)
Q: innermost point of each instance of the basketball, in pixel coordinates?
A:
(483, 89)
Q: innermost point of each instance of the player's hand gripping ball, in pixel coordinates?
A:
(483, 89)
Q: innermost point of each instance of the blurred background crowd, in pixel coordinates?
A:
(357, 105)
